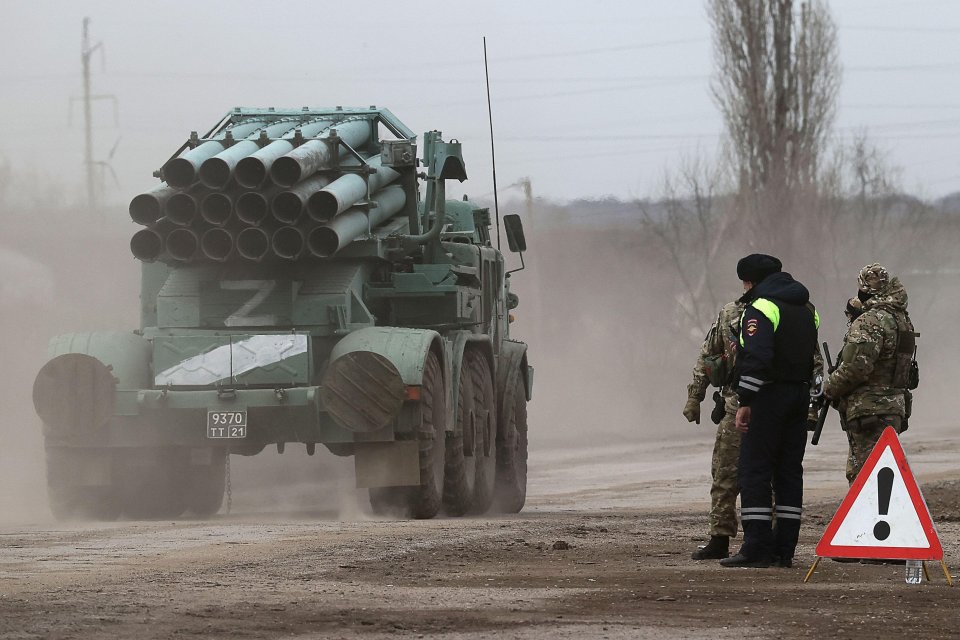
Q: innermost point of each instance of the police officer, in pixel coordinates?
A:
(715, 366)
(875, 374)
(775, 362)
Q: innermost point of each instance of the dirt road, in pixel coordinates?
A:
(602, 551)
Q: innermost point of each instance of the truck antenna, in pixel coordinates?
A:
(493, 154)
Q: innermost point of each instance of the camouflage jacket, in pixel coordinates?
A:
(863, 379)
(721, 340)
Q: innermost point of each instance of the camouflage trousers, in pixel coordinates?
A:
(726, 483)
(863, 434)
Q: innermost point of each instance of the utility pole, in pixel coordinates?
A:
(86, 52)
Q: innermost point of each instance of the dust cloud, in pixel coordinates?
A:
(597, 308)
(613, 357)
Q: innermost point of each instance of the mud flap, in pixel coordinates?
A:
(387, 464)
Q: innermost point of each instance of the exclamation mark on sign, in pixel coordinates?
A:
(881, 531)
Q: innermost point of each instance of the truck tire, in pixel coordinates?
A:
(485, 410)
(423, 501)
(511, 491)
(459, 471)
(153, 483)
(71, 501)
(83, 503)
(471, 465)
(206, 485)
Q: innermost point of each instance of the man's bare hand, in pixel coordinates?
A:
(743, 419)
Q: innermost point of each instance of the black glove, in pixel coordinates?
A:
(719, 408)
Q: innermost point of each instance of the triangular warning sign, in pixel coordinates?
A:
(884, 515)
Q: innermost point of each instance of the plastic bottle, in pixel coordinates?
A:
(912, 573)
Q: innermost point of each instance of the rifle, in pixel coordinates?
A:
(821, 399)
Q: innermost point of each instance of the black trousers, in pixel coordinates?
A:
(771, 470)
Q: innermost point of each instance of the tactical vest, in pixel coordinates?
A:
(906, 372)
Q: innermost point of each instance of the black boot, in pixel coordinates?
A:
(741, 560)
(717, 548)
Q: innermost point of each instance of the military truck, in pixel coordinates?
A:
(304, 280)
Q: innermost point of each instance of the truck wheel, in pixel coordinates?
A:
(511, 491)
(485, 418)
(206, 484)
(461, 468)
(69, 500)
(154, 484)
(83, 503)
(423, 501)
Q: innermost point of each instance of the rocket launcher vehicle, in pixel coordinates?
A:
(304, 280)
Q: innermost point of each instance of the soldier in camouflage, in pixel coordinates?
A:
(871, 385)
(714, 365)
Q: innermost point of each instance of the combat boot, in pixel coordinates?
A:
(740, 560)
(717, 549)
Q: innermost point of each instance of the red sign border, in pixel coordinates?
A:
(934, 552)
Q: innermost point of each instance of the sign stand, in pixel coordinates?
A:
(884, 515)
(926, 572)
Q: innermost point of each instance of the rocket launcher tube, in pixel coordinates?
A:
(289, 242)
(327, 240)
(182, 244)
(216, 172)
(217, 244)
(181, 208)
(146, 245)
(253, 244)
(252, 171)
(288, 204)
(217, 208)
(314, 155)
(147, 208)
(182, 170)
(253, 207)
(347, 190)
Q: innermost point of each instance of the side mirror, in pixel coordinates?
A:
(514, 229)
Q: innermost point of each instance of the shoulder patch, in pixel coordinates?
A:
(752, 326)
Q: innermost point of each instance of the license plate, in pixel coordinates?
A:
(227, 424)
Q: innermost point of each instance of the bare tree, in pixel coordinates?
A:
(864, 216)
(776, 84)
(690, 226)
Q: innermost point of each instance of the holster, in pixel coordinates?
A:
(872, 422)
(862, 423)
(719, 408)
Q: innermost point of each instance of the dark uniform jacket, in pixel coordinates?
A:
(778, 336)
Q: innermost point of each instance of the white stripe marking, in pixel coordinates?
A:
(246, 355)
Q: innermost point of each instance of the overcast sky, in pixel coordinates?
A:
(589, 99)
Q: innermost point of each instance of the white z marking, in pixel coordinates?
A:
(241, 317)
